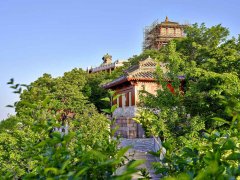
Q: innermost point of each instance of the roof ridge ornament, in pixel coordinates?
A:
(107, 59)
(166, 20)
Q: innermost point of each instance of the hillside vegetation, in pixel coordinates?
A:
(199, 124)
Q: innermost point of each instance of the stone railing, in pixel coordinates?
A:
(103, 67)
(107, 66)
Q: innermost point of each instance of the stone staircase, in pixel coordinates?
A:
(139, 150)
(142, 145)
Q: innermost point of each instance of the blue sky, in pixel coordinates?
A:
(54, 36)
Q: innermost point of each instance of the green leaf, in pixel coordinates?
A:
(213, 167)
(114, 107)
(11, 81)
(57, 135)
(65, 164)
(136, 163)
(234, 156)
(28, 104)
(15, 86)
(98, 155)
(161, 170)
(206, 135)
(220, 120)
(106, 99)
(189, 152)
(111, 93)
(233, 121)
(229, 144)
(18, 91)
(51, 169)
(108, 111)
(46, 101)
(122, 151)
(41, 144)
(117, 96)
(81, 172)
(113, 130)
(184, 176)
(215, 133)
(170, 178)
(69, 136)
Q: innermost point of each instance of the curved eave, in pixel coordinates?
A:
(172, 25)
(142, 79)
(115, 83)
(125, 79)
(128, 79)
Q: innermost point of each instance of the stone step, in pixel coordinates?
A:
(139, 150)
(144, 145)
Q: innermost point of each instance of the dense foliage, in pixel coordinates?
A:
(57, 133)
(198, 122)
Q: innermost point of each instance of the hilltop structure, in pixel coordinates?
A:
(136, 78)
(107, 65)
(159, 34)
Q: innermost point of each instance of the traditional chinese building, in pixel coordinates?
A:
(136, 78)
(159, 34)
(107, 65)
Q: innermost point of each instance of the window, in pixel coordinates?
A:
(120, 100)
(130, 98)
(127, 99)
(123, 100)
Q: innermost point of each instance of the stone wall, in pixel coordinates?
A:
(129, 112)
(123, 115)
(128, 128)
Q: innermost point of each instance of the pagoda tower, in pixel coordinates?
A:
(159, 34)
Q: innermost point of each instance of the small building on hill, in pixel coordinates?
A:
(136, 78)
(159, 34)
(107, 65)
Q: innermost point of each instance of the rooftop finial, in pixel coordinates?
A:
(166, 20)
(107, 59)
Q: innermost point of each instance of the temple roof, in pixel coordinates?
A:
(146, 64)
(170, 23)
(143, 71)
(142, 74)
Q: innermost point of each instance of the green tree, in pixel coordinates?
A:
(94, 91)
(57, 133)
(209, 61)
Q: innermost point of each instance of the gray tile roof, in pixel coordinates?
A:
(143, 71)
